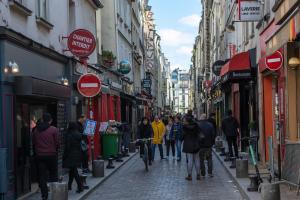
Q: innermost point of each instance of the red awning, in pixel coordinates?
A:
(239, 62)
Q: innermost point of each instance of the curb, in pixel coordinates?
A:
(240, 188)
(91, 190)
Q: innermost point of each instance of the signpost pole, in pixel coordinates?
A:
(92, 136)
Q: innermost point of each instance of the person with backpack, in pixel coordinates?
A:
(45, 144)
(191, 145)
(206, 144)
(230, 127)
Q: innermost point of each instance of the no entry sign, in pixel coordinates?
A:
(274, 61)
(89, 85)
(81, 43)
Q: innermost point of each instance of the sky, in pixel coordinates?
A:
(177, 23)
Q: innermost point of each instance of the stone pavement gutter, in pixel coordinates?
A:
(92, 182)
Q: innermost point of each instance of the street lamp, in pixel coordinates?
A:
(294, 62)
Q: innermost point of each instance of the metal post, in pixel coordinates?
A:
(92, 137)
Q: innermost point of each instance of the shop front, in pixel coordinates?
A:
(238, 86)
(35, 85)
(281, 87)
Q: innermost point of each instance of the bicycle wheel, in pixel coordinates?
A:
(145, 158)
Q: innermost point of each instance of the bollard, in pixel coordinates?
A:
(110, 164)
(253, 187)
(132, 148)
(98, 168)
(241, 168)
(59, 191)
(270, 191)
(233, 164)
(119, 158)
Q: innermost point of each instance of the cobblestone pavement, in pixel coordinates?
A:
(165, 180)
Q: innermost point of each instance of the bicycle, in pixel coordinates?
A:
(146, 151)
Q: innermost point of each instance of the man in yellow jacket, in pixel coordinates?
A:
(158, 134)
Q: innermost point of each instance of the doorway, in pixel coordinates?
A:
(27, 115)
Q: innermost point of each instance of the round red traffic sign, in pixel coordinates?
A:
(274, 61)
(89, 85)
(81, 43)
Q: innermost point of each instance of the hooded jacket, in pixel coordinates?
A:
(45, 140)
(158, 132)
(191, 143)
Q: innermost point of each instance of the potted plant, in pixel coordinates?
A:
(108, 58)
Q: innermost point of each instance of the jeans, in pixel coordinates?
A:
(47, 164)
(232, 141)
(178, 148)
(170, 143)
(160, 151)
(73, 173)
(193, 159)
(206, 154)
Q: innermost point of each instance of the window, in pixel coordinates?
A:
(42, 9)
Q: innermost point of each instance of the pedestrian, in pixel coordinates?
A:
(145, 131)
(212, 120)
(158, 134)
(72, 157)
(84, 144)
(45, 143)
(230, 128)
(206, 144)
(177, 133)
(191, 146)
(170, 138)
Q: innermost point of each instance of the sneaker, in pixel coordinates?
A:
(188, 178)
(210, 175)
(178, 159)
(86, 171)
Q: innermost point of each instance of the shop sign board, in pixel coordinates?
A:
(90, 127)
(89, 85)
(274, 61)
(81, 43)
(250, 10)
(125, 67)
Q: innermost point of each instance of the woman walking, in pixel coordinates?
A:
(177, 134)
(191, 146)
(170, 138)
(73, 155)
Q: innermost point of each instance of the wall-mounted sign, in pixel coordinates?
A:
(89, 85)
(90, 127)
(147, 83)
(125, 67)
(81, 43)
(249, 10)
(274, 61)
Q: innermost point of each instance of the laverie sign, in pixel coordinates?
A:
(249, 10)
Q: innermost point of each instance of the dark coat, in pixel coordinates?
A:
(144, 131)
(191, 142)
(230, 126)
(208, 131)
(213, 122)
(72, 154)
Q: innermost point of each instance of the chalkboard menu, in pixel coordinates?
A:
(291, 163)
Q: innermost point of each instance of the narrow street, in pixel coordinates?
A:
(165, 180)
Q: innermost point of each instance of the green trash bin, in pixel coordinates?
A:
(110, 145)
